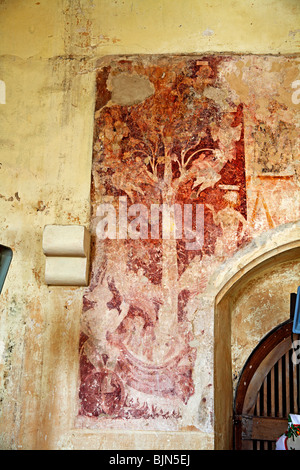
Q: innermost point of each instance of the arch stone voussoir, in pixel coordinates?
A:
(282, 242)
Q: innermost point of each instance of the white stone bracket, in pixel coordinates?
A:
(67, 252)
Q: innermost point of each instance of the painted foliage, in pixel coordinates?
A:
(169, 132)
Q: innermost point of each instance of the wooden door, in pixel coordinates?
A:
(268, 391)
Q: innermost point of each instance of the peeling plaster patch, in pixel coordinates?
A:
(11, 198)
(208, 32)
(40, 206)
(216, 94)
(129, 89)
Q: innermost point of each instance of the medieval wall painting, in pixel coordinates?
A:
(215, 140)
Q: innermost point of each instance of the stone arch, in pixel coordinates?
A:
(261, 258)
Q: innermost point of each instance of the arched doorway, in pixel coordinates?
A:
(229, 363)
(267, 392)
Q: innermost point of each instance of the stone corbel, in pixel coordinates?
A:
(67, 252)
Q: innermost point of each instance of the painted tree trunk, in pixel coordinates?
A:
(168, 313)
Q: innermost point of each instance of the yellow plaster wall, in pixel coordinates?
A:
(100, 27)
(48, 52)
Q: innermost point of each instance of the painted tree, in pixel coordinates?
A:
(175, 142)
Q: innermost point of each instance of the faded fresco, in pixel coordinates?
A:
(217, 136)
